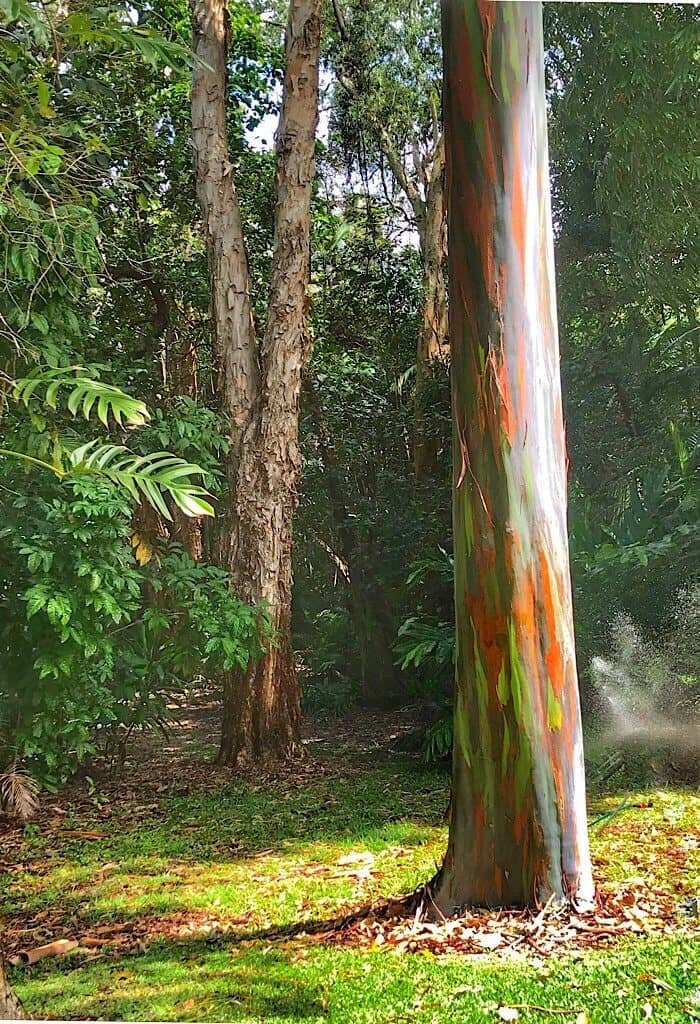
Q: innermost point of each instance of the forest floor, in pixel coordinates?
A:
(196, 895)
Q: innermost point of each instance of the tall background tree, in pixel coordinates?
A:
(518, 830)
(259, 379)
(387, 112)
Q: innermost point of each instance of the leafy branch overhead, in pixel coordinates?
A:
(152, 477)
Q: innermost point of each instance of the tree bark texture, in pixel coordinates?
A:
(518, 831)
(10, 1006)
(261, 383)
(235, 348)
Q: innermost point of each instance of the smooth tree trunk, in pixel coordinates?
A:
(260, 383)
(518, 831)
(10, 1006)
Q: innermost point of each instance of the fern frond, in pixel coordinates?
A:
(85, 394)
(18, 794)
(148, 477)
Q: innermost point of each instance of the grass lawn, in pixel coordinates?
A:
(180, 892)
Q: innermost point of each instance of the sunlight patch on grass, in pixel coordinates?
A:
(266, 857)
(274, 853)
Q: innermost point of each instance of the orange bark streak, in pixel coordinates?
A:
(518, 219)
(553, 656)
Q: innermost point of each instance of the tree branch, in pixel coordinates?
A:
(341, 22)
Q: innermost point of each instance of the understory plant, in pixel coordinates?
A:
(425, 646)
(100, 633)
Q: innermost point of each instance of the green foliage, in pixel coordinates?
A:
(148, 476)
(70, 582)
(327, 683)
(427, 644)
(45, 383)
(623, 89)
(202, 629)
(190, 430)
(439, 737)
(389, 82)
(94, 642)
(643, 552)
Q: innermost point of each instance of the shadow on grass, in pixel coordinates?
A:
(217, 848)
(209, 981)
(196, 981)
(241, 819)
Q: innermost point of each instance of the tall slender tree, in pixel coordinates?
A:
(259, 377)
(518, 831)
(388, 107)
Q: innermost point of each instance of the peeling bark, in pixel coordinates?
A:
(260, 384)
(235, 347)
(518, 831)
(10, 1006)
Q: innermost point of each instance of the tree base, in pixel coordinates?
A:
(261, 720)
(10, 1006)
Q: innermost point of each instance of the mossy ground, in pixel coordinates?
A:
(242, 858)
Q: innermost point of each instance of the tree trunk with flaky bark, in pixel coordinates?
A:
(235, 348)
(260, 385)
(10, 1006)
(518, 830)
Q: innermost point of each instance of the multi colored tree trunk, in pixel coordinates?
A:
(518, 831)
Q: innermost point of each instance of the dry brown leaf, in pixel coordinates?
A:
(655, 981)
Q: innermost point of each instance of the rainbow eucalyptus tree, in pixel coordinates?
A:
(518, 830)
